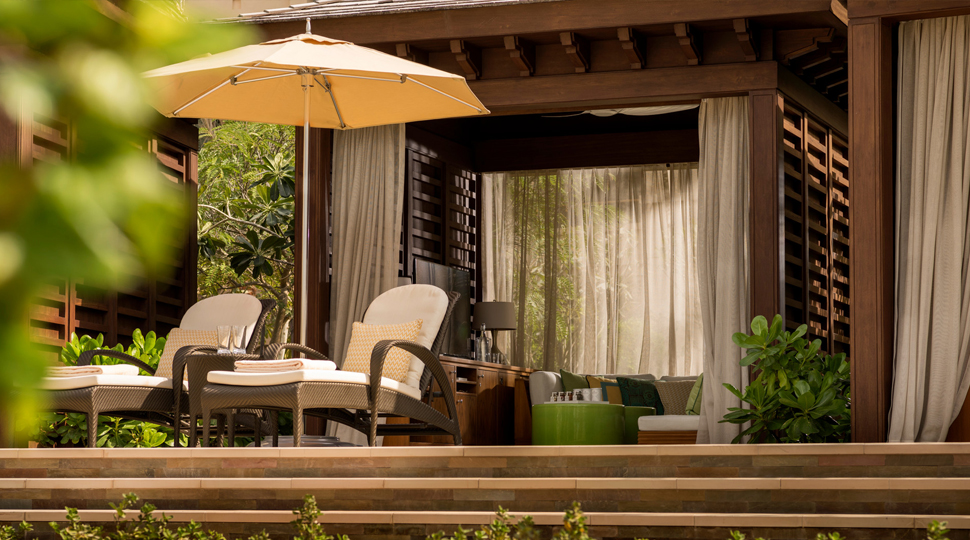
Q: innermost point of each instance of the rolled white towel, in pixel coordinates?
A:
(293, 364)
(79, 371)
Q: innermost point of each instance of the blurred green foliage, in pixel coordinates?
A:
(105, 215)
(146, 348)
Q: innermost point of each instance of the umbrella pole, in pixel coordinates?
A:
(304, 234)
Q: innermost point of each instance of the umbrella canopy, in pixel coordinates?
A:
(312, 81)
(350, 86)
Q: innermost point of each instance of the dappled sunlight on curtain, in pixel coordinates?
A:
(600, 264)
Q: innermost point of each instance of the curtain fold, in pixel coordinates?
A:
(600, 264)
(932, 353)
(368, 200)
(722, 257)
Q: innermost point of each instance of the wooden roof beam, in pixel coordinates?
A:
(836, 77)
(746, 39)
(837, 63)
(577, 49)
(689, 42)
(412, 53)
(792, 44)
(523, 55)
(634, 46)
(469, 58)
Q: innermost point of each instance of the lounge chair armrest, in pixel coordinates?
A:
(422, 354)
(85, 358)
(274, 351)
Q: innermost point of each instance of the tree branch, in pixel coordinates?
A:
(237, 220)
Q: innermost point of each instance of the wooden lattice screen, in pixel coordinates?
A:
(440, 215)
(69, 305)
(816, 230)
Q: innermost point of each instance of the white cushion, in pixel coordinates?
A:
(287, 377)
(673, 422)
(223, 310)
(85, 381)
(405, 304)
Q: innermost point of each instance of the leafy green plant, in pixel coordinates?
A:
(306, 524)
(146, 347)
(798, 396)
(936, 531)
(245, 213)
(9, 532)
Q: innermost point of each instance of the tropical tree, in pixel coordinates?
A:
(246, 228)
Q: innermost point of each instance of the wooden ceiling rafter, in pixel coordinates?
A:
(468, 57)
(577, 49)
(793, 44)
(412, 53)
(746, 39)
(634, 45)
(522, 53)
(689, 40)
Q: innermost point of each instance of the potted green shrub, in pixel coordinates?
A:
(798, 396)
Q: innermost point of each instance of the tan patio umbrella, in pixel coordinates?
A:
(312, 81)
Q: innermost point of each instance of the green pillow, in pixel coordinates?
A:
(694, 399)
(640, 393)
(571, 381)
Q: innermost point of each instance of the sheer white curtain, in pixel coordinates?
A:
(368, 200)
(932, 364)
(722, 257)
(600, 264)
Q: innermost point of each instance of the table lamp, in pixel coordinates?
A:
(495, 316)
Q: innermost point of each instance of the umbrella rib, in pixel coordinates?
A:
(265, 69)
(447, 95)
(364, 78)
(237, 83)
(329, 90)
(218, 86)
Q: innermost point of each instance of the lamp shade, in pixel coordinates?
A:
(494, 315)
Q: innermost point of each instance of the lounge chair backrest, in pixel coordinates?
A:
(405, 304)
(224, 309)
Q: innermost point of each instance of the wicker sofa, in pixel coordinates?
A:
(659, 429)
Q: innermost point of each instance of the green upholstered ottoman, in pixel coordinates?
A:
(577, 424)
(631, 415)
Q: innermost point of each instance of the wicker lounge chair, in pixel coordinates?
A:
(357, 399)
(151, 398)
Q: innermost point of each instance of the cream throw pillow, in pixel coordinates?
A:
(363, 338)
(179, 338)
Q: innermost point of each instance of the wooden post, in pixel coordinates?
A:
(318, 310)
(767, 238)
(871, 214)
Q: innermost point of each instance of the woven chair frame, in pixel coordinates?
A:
(159, 406)
(355, 405)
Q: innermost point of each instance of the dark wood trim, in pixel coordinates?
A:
(690, 42)
(767, 204)
(597, 150)
(574, 15)
(809, 98)
(746, 39)
(871, 214)
(623, 87)
(9, 137)
(190, 288)
(899, 10)
(318, 229)
(633, 45)
(180, 131)
(522, 53)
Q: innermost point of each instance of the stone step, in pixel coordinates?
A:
(469, 519)
(702, 461)
(874, 496)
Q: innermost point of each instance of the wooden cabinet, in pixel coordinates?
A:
(485, 399)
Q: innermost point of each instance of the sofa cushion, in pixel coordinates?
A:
(673, 395)
(640, 393)
(679, 378)
(571, 381)
(680, 422)
(611, 390)
(694, 399)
